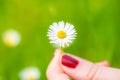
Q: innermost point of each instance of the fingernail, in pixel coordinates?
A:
(69, 62)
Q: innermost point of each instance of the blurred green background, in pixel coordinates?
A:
(97, 23)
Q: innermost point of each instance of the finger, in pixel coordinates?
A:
(107, 73)
(54, 71)
(77, 68)
(103, 63)
(80, 69)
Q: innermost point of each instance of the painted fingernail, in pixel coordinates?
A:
(68, 61)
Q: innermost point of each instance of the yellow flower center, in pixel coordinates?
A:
(61, 34)
(9, 43)
(31, 78)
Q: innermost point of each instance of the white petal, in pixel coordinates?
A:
(56, 25)
(61, 25)
(52, 28)
(66, 27)
(72, 32)
(63, 43)
(71, 27)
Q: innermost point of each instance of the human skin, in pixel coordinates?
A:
(66, 67)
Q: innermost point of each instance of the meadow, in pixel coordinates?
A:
(98, 32)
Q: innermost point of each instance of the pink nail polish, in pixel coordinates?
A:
(69, 62)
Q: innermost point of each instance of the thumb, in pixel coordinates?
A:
(54, 71)
(80, 69)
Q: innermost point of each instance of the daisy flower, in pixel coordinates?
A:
(30, 73)
(61, 34)
(11, 38)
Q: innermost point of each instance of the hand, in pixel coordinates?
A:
(66, 67)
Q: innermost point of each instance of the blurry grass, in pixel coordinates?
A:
(97, 23)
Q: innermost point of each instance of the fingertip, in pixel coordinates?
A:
(54, 71)
(58, 52)
(106, 63)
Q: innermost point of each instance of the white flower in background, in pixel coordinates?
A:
(61, 34)
(30, 73)
(11, 38)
